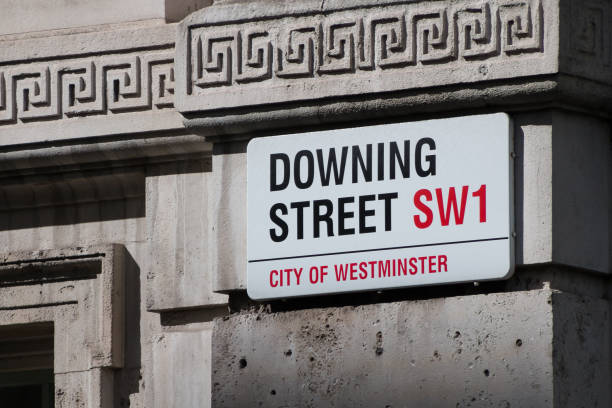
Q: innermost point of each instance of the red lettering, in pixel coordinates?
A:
(422, 259)
(413, 266)
(288, 272)
(442, 263)
(314, 277)
(459, 213)
(384, 268)
(363, 272)
(418, 203)
(341, 272)
(273, 283)
(323, 272)
(353, 271)
(481, 193)
(298, 274)
(401, 266)
(432, 264)
(372, 266)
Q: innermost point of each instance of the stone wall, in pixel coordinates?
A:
(123, 138)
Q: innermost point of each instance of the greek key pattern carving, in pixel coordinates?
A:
(83, 87)
(394, 37)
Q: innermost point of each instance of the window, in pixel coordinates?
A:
(26, 366)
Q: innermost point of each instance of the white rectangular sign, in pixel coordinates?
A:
(397, 205)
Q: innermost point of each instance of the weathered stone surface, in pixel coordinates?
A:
(312, 50)
(75, 155)
(84, 389)
(563, 190)
(38, 15)
(93, 335)
(82, 291)
(281, 64)
(83, 89)
(94, 152)
(585, 39)
(481, 350)
(90, 198)
(227, 212)
(181, 273)
(534, 218)
(581, 351)
(183, 349)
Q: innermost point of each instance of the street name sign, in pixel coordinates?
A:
(378, 207)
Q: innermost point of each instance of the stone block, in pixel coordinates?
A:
(40, 15)
(180, 235)
(80, 85)
(82, 292)
(84, 389)
(289, 51)
(175, 10)
(582, 191)
(581, 355)
(533, 187)
(480, 350)
(286, 64)
(227, 210)
(563, 189)
(184, 349)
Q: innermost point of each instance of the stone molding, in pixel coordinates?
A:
(86, 86)
(80, 290)
(348, 48)
(89, 85)
(244, 68)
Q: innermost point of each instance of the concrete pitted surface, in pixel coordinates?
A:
(486, 350)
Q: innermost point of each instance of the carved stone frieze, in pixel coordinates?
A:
(86, 86)
(79, 85)
(229, 60)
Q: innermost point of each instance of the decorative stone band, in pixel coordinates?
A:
(79, 85)
(86, 86)
(244, 56)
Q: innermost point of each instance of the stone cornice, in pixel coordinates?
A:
(270, 64)
(260, 65)
(91, 84)
(228, 59)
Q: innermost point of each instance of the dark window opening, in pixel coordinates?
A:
(26, 366)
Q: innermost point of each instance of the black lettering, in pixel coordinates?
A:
(387, 198)
(278, 221)
(396, 158)
(363, 213)
(297, 170)
(343, 214)
(300, 205)
(366, 167)
(317, 217)
(381, 161)
(332, 163)
(274, 184)
(430, 159)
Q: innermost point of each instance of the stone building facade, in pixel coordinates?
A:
(123, 134)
